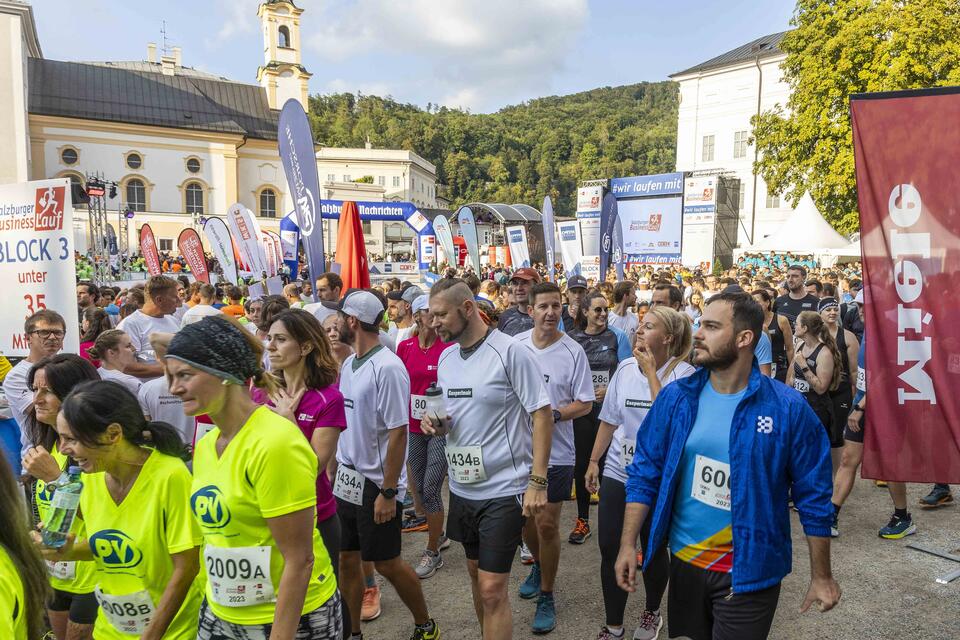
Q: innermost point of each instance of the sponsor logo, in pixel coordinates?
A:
(764, 424)
(516, 236)
(49, 209)
(568, 234)
(348, 403)
(546, 377)
(460, 393)
(606, 243)
(304, 416)
(209, 507)
(306, 205)
(242, 226)
(637, 404)
(115, 549)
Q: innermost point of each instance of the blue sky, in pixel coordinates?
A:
(476, 54)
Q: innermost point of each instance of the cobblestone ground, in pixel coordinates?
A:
(889, 591)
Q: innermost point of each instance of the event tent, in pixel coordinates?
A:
(805, 231)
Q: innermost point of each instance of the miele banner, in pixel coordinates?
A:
(571, 250)
(906, 150)
(519, 250)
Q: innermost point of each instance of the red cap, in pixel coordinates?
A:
(526, 273)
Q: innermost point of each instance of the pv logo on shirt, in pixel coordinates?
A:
(460, 393)
(115, 549)
(764, 424)
(210, 508)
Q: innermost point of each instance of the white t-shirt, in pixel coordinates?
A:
(566, 374)
(139, 326)
(180, 311)
(489, 396)
(197, 313)
(157, 402)
(130, 382)
(398, 334)
(387, 341)
(19, 397)
(626, 405)
(627, 323)
(376, 397)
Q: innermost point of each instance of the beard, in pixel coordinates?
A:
(451, 334)
(346, 334)
(721, 358)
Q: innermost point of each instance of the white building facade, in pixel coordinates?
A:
(717, 100)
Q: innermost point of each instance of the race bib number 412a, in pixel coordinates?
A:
(711, 482)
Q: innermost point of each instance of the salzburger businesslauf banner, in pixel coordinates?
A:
(907, 150)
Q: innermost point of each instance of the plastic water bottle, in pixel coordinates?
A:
(437, 409)
(63, 509)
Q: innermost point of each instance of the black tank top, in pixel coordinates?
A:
(776, 341)
(844, 359)
(800, 381)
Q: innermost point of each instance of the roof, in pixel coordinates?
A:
(114, 93)
(765, 47)
(155, 67)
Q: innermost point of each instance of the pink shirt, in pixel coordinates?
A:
(318, 408)
(421, 366)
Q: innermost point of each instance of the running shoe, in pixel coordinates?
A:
(370, 609)
(835, 527)
(530, 588)
(444, 542)
(581, 531)
(409, 513)
(407, 500)
(525, 556)
(938, 496)
(650, 624)
(545, 619)
(430, 633)
(430, 561)
(898, 528)
(416, 523)
(606, 634)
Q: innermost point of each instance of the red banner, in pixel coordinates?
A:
(148, 249)
(907, 150)
(191, 248)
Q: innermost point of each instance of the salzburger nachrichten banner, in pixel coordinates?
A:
(907, 150)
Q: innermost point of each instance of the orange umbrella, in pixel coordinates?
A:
(351, 251)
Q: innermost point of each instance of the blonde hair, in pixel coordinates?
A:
(678, 328)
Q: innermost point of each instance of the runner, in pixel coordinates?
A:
(662, 344)
(848, 347)
(159, 405)
(707, 444)
(370, 482)
(155, 317)
(493, 391)
(93, 322)
(566, 375)
(425, 453)
(400, 314)
(73, 608)
(115, 351)
(780, 333)
(604, 353)
(790, 304)
(516, 319)
(621, 315)
(576, 290)
(667, 295)
(329, 286)
(254, 495)
(207, 295)
(139, 530)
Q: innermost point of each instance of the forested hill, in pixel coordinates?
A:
(520, 153)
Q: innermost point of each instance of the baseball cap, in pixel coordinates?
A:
(526, 273)
(576, 282)
(411, 293)
(362, 305)
(395, 295)
(421, 303)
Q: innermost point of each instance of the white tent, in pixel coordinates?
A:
(805, 231)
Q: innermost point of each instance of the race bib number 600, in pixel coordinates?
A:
(465, 464)
(711, 482)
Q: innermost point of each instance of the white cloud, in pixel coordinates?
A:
(341, 85)
(239, 16)
(479, 52)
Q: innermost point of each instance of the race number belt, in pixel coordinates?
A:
(465, 464)
(239, 576)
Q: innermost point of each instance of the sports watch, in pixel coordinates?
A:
(556, 415)
(389, 494)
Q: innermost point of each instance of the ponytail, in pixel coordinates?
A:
(164, 438)
(106, 341)
(816, 325)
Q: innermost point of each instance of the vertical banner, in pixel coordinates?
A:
(290, 243)
(445, 239)
(468, 229)
(39, 269)
(148, 249)
(299, 158)
(428, 250)
(351, 250)
(221, 246)
(191, 248)
(246, 233)
(608, 220)
(519, 250)
(571, 248)
(273, 240)
(588, 214)
(271, 256)
(549, 238)
(616, 251)
(906, 153)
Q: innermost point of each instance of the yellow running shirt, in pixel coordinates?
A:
(132, 543)
(13, 618)
(268, 470)
(72, 577)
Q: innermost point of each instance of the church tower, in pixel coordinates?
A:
(282, 75)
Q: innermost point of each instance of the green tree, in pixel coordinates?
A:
(364, 180)
(839, 48)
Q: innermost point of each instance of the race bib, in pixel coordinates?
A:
(711, 482)
(130, 613)
(348, 485)
(861, 380)
(600, 379)
(62, 570)
(627, 449)
(465, 464)
(239, 577)
(418, 406)
(201, 429)
(773, 369)
(801, 385)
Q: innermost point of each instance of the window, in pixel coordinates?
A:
(268, 203)
(69, 156)
(709, 143)
(165, 244)
(194, 197)
(134, 160)
(366, 226)
(283, 37)
(193, 165)
(773, 201)
(136, 195)
(382, 181)
(396, 181)
(740, 144)
(346, 177)
(743, 195)
(331, 177)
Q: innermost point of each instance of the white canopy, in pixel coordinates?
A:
(805, 231)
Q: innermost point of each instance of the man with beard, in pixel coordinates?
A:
(797, 298)
(716, 458)
(516, 319)
(492, 392)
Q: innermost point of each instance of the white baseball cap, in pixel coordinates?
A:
(411, 293)
(362, 305)
(421, 303)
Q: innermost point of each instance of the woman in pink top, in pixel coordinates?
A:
(425, 454)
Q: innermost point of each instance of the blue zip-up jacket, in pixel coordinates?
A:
(777, 444)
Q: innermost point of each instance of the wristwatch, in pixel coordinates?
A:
(556, 416)
(389, 494)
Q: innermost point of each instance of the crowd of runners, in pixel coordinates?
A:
(250, 466)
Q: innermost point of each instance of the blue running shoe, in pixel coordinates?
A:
(545, 619)
(898, 528)
(531, 586)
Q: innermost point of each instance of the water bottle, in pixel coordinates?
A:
(436, 409)
(63, 509)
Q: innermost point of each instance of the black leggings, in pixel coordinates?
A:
(331, 535)
(613, 497)
(584, 434)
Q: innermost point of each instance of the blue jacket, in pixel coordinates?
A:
(777, 444)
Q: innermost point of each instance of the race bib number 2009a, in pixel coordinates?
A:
(239, 576)
(465, 464)
(711, 482)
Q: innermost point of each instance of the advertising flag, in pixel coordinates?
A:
(351, 249)
(274, 242)
(148, 249)
(290, 242)
(297, 153)
(616, 251)
(271, 256)
(906, 151)
(549, 237)
(468, 229)
(445, 239)
(191, 248)
(221, 246)
(519, 250)
(588, 214)
(608, 220)
(246, 233)
(571, 248)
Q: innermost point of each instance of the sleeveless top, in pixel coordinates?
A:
(816, 400)
(844, 361)
(778, 348)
